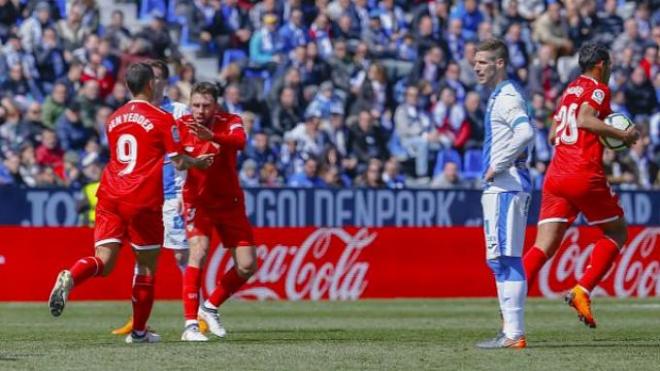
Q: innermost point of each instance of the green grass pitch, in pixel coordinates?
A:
(370, 334)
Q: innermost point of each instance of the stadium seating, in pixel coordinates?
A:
(444, 156)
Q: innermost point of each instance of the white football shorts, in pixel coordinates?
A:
(174, 226)
(505, 221)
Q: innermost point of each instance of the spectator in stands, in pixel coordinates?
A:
(310, 138)
(392, 176)
(264, 45)
(269, 176)
(341, 66)
(260, 151)
(94, 70)
(551, 29)
(228, 27)
(452, 80)
(641, 99)
(70, 30)
(72, 79)
(315, 70)
(49, 152)
(290, 160)
(427, 35)
(308, 178)
(249, 175)
(412, 127)
(331, 177)
(186, 81)
(471, 17)
(9, 170)
(231, 100)
(325, 100)
(118, 97)
(12, 133)
(618, 173)
(583, 22)
(293, 33)
(158, 35)
(285, 115)
(509, 16)
(344, 29)
(450, 178)
(32, 29)
(373, 93)
(518, 55)
(70, 174)
(8, 16)
(116, 32)
(650, 61)
(89, 102)
(429, 69)
(453, 130)
(71, 132)
(543, 76)
(467, 75)
(629, 39)
(475, 116)
(33, 121)
(49, 59)
(372, 177)
(610, 24)
(456, 38)
(54, 105)
(641, 164)
(18, 87)
(366, 140)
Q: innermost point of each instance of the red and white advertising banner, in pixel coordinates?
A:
(333, 264)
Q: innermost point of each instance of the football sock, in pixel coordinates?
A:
(228, 285)
(86, 268)
(143, 301)
(512, 292)
(533, 261)
(192, 280)
(602, 257)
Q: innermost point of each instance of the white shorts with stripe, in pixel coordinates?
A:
(505, 221)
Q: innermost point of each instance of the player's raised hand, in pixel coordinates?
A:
(201, 131)
(630, 136)
(204, 161)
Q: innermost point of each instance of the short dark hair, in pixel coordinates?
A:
(205, 88)
(591, 54)
(138, 77)
(497, 47)
(162, 66)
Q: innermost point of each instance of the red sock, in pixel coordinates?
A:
(86, 268)
(228, 285)
(533, 261)
(143, 301)
(602, 257)
(192, 280)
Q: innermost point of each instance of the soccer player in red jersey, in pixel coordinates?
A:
(575, 181)
(130, 198)
(213, 200)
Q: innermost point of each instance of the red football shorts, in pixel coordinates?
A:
(564, 197)
(230, 222)
(117, 221)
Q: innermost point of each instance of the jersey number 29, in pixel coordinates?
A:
(567, 131)
(127, 152)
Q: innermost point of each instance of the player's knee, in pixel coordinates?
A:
(514, 269)
(247, 267)
(499, 270)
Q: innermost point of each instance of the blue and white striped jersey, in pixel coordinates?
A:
(172, 178)
(508, 139)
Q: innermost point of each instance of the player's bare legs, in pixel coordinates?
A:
(192, 281)
(101, 264)
(245, 265)
(605, 251)
(548, 239)
(181, 259)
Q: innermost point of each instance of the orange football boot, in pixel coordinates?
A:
(578, 298)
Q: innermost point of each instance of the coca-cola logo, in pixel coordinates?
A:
(326, 265)
(636, 272)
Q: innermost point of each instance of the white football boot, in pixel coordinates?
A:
(212, 318)
(192, 333)
(147, 337)
(60, 293)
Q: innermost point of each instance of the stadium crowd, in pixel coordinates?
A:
(335, 93)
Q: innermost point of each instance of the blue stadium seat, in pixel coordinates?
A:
(148, 6)
(444, 156)
(473, 162)
(61, 5)
(231, 56)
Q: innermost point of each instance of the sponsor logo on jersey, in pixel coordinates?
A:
(598, 96)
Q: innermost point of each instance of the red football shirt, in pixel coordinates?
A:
(212, 187)
(577, 150)
(139, 135)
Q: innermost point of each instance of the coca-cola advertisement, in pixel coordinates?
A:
(334, 264)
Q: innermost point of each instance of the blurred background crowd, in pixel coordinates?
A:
(338, 93)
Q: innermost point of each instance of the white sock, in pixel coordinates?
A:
(500, 298)
(191, 322)
(512, 303)
(208, 304)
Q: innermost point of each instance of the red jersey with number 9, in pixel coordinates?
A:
(578, 150)
(139, 136)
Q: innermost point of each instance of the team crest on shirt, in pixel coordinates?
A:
(175, 134)
(598, 96)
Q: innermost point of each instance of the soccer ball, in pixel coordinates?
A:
(617, 121)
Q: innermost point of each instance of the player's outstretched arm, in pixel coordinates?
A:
(235, 138)
(588, 119)
(184, 162)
